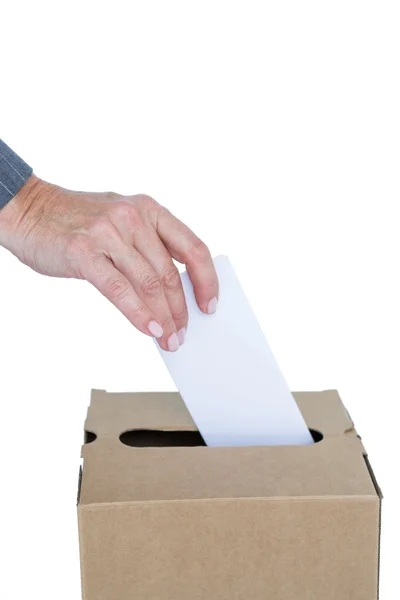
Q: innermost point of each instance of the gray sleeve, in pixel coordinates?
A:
(14, 172)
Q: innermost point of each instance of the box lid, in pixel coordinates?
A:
(114, 472)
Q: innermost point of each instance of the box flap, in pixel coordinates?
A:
(115, 472)
(110, 414)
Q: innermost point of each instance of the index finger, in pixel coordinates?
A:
(187, 248)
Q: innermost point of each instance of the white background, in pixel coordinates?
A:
(272, 129)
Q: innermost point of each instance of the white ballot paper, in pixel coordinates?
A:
(227, 375)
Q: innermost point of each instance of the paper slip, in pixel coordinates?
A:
(228, 376)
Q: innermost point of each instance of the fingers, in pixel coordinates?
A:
(187, 248)
(135, 270)
(101, 273)
(149, 288)
(149, 245)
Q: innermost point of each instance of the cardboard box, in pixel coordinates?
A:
(162, 517)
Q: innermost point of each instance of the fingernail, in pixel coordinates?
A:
(212, 306)
(155, 329)
(181, 336)
(173, 342)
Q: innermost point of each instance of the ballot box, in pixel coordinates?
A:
(162, 516)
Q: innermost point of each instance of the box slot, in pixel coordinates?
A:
(146, 438)
(317, 436)
(89, 437)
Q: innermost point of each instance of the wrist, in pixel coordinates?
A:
(15, 213)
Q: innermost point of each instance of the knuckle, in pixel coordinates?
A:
(199, 252)
(145, 200)
(152, 286)
(117, 289)
(127, 212)
(101, 227)
(171, 279)
(146, 205)
(180, 316)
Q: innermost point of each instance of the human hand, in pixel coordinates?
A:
(123, 245)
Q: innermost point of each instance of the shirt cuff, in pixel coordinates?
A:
(14, 172)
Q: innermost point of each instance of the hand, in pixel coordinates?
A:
(123, 245)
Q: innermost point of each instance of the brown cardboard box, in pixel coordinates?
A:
(165, 518)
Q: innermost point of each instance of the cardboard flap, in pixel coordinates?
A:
(111, 414)
(117, 472)
(325, 412)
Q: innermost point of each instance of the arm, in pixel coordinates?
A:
(123, 245)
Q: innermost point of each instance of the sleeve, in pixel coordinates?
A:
(14, 172)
